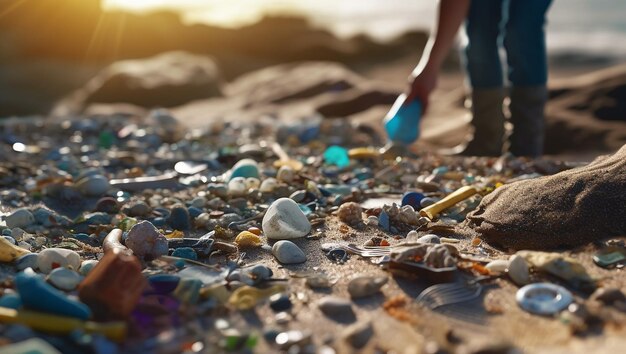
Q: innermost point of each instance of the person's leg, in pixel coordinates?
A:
(524, 40)
(484, 69)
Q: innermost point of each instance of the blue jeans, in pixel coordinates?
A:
(519, 26)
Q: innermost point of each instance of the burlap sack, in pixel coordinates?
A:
(567, 209)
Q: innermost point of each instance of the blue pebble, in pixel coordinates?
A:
(185, 252)
(6, 232)
(82, 237)
(413, 199)
(245, 170)
(440, 170)
(98, 218)
(164, 283)
(159, 222)
(194, 212)
(336, 155)
(28, 260)
(10, 239)
(179, 218)
(427, 202)
(38, 295)
(11, 301)
(383, 220)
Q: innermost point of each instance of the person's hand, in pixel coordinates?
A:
(421, 85)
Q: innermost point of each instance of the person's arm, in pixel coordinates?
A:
(423, 79)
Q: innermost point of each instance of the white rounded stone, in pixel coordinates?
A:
(93, 186)
(284, 220)
(51, 258)
(268, 185)
(287, 252)
(285, 174)
(518, 270)
(64, 279)
(498, 266)
(20, 218)
(237, 187)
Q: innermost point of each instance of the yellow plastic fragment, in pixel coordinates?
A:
(363, 153)
(62, 325)
(175, 234)
(247, 297)
(459, 195)
(248, 239)
(10, 252)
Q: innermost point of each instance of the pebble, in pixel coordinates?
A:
(248, 239)
(10, 300)
(336, 308)
(358, 334)
(372, 220)
(164, 283)
(284, 220)
(280, 302)
(268, 185)
(350, 213)
(107, 205)
(287, 252)
(518, 270)
(146, 241)
(86, 266)
(430, 238)
(52, 258)
(498, 266)
(609, 296)
(93, 186)
(20, 218)
(383, 220)
(427, 201)
(138, 209)
(33, 289)
(244, 168)
(64, 279)
(285, 174)
(413, 199)
(179, 218)
(186, 253)
(28, 260)
(237, 187)
(364, 285)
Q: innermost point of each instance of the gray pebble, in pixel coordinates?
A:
(288, 253)
(364, 285)
(358, 334)
(337, 308)
(19, 218)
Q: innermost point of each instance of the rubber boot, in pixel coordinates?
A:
(527, 116)
(488, 123)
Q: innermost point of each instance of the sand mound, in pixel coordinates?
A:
(570, 208)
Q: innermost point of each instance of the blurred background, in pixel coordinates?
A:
(238, 59)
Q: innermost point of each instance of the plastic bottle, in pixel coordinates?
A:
(402, 121)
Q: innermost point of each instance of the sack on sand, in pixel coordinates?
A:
(567, 209)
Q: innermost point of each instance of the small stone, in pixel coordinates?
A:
(358, 334)
(280, 302)
(336, 155)
(383, 220)
(237, 187)
(87, 266)
(287, 252)
(186, 253)
(93, 186)
(20, 218)
(285, 174)
(372, 220)
(146, 241)
(350, 213)
(114, 286)
(198, 202)
(28, 260)
(298, 196)
(518, 270)
(138, 209)
(52, 258)
(268, 185)
(430, 238)
(284, 220)
(337, 308)
(364, 285)
(248, 239)
(179, 218)
(427, 201)
(253, 183)
(413, 199)
(64, 279)
(244, 168)
(498, 266)
(609, 296)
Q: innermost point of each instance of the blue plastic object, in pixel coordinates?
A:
(402, 121)
(413, 199)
